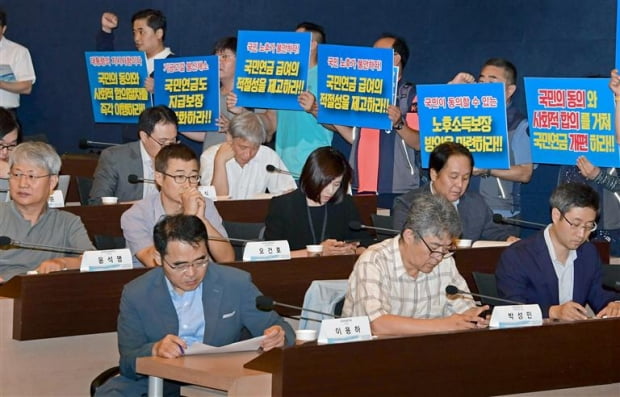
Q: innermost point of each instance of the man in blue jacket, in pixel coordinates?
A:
(186, 299)
(558, 268)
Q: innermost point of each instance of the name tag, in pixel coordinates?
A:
(56, 200)
(515, 316)
(343, 330)
(255, 251)
(116, 259)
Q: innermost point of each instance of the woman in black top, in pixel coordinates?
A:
(319, 211)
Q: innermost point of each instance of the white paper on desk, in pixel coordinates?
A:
(247, 345)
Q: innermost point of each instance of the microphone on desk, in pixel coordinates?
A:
(272, 168)
(86, 144)
(453, 290)
(5, 240)
(230, 239)
(266, 303)
(498, 218)
(133, 178)
(357, 226)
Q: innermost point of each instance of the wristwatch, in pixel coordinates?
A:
(400, 124)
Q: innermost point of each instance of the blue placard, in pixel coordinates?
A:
(116, 81)
(355, 85)
(617, 34)
(473, 115)
(570, 117)
(191, 87)
(271, 69)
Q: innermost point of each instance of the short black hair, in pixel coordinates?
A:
(150, 117)
(2, 18)
(400, 47)
(509, 68)
(314, 28)
(154, 18)
(323, 166)
(185, 228)
(175, 151)
(8, 123)
(442, 152)
(573, 194)
(226, 43)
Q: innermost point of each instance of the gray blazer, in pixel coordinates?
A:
(115, 164)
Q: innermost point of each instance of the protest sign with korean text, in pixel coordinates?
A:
(355, 85)
(191, 87)
(473, 115)
(571, 117)
(116, 81)
(271, 69)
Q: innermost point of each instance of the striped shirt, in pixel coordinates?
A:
(380, 285)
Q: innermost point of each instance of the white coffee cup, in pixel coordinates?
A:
(109, 200)
(305, 335)
(463, 243)
(314, 249)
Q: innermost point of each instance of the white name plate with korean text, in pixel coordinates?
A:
(515, 316)
(343, 330)
(275, 250)
(56, 200)
(116, 259)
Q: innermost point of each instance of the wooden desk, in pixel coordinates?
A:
(469, 363)
(106, 219)
(73, 303)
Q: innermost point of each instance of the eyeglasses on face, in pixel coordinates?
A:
(8, 147)
(437, 254)
(181, 179)
(587, 227)
(183, 267)
(29, 177)
(164, 142)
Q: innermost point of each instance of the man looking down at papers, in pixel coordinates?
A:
(400, 283)
(558, 268)
(186, 299)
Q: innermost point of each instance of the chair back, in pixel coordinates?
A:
(383, 221)
(487, 285)
(244, 231)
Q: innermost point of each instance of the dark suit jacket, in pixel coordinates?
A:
(147, 314)
(525, 274)
(115, 164)
(287, 219)
(475, 215)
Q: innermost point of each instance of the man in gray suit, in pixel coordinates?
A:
(157, 127)
(186, 299)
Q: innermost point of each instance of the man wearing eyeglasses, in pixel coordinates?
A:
(400, 283)
(33, 175)
(558, 268)
(157, 127)
(187, 299)
(177, 174)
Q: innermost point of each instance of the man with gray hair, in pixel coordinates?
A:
(237, 167)
(400, 283)
(33, 175)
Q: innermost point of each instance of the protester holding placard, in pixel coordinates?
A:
(451, 165)
(400, 283)
(501, 187)
(558, 268)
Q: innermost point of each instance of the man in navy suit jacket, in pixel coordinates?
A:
(558, 268)
(186, 299)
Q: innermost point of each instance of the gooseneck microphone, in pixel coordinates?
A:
(133, 178)
(357, 226)
(7, 241)
(272, 168)
(453, 290)
(498, 218)
(85, 144)
(266, 303)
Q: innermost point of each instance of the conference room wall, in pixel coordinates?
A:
(543, 38)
